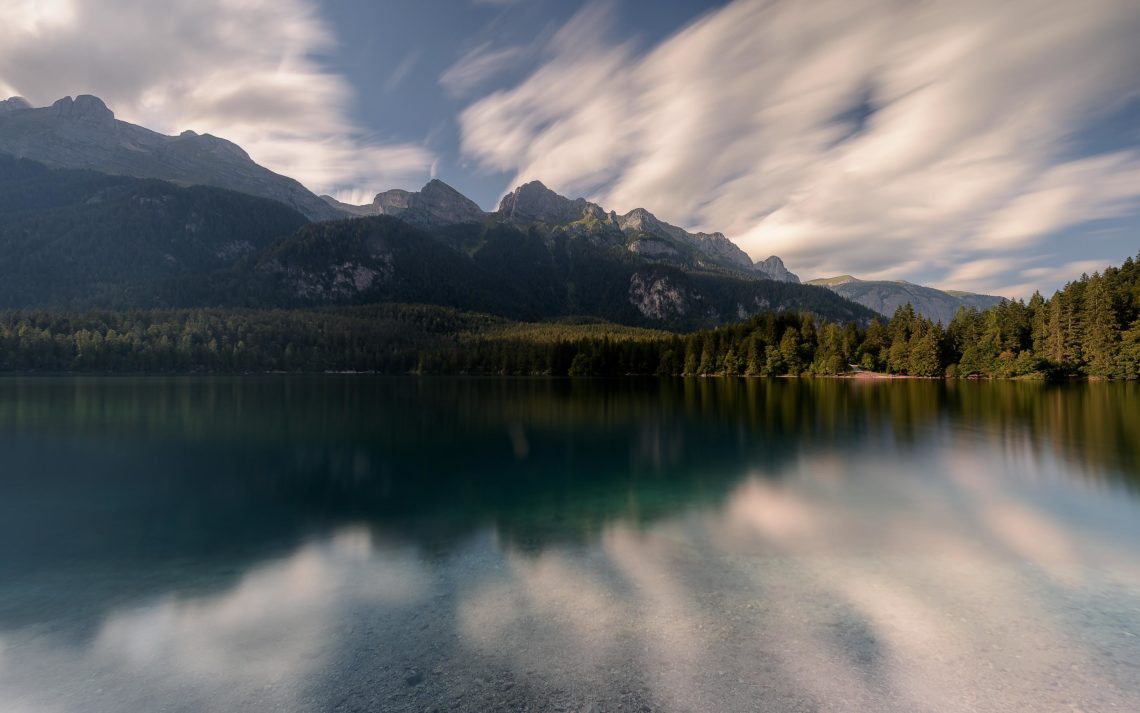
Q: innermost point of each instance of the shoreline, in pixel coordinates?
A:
(846, 376)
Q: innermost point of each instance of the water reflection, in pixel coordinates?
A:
(399, 544)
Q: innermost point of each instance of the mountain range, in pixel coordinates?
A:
(77, 239)
(100, 212)
(533, 204)
(83, 133)
(886, 296)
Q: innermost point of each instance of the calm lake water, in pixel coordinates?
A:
(356, 543)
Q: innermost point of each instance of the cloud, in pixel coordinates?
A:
(245, 70)
(1080, 191)
(1032, 278)
(874, 137)
(477, 66)
(397, 76)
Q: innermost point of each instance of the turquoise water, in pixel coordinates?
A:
(356, 543)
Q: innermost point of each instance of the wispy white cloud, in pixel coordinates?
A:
(477, 66)
(401, 71)
(874, 137)
(242, 70)
(1027, 279)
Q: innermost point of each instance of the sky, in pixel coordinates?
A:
(965, 144)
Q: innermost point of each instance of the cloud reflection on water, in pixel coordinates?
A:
(837, 562)
(962, 593)
(255, 644)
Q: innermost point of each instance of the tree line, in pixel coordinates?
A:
(1091, 327)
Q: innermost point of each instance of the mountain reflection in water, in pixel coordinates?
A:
(355, 543)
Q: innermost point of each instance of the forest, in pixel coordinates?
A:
(1090, 328)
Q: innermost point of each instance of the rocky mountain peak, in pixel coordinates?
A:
(714, 246)
(14, 104)
(435, 204)
(436, 191)
(82, 133)
(646, 234)
(436, 184)
(444, 204)
(84, 107)
(392, 201)
(534, 202)
(639, 219)
(774, 268)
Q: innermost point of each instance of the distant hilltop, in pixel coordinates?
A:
(885, 296)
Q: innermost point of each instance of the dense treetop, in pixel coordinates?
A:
(1089, 328)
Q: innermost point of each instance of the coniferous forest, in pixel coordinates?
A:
(1089, 328)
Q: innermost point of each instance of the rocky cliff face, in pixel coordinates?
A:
(885, 297)
(393, 202)
(85, 108)
(715, 247)
(535, 203)
(83, 133)
(641, 231)
(774, 268)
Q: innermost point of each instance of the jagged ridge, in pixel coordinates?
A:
(532, 204)
(83, 133)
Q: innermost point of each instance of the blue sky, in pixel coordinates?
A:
(961, 143)
(395, 55)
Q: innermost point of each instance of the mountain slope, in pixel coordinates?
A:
(504, 270)
(885, 297)
(81, 237)
(639, 232)
(84, 133)
(534, 206)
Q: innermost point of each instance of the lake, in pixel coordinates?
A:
(349, 543)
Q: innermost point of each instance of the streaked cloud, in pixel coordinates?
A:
(478, 66)
(247, 71)
(883, 139)
(401, 71)
(1055, 273)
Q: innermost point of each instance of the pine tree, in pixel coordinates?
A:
(773, 361)
(1128, 359)
(898, 357)
(923, 358)
(1072, 329)
(730, 365)
(691, 362)
(790, 351)
(707, 364)
(1038, 324)
(755, 364)
(1101, 330)
(870, 353)
(1055, 333)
